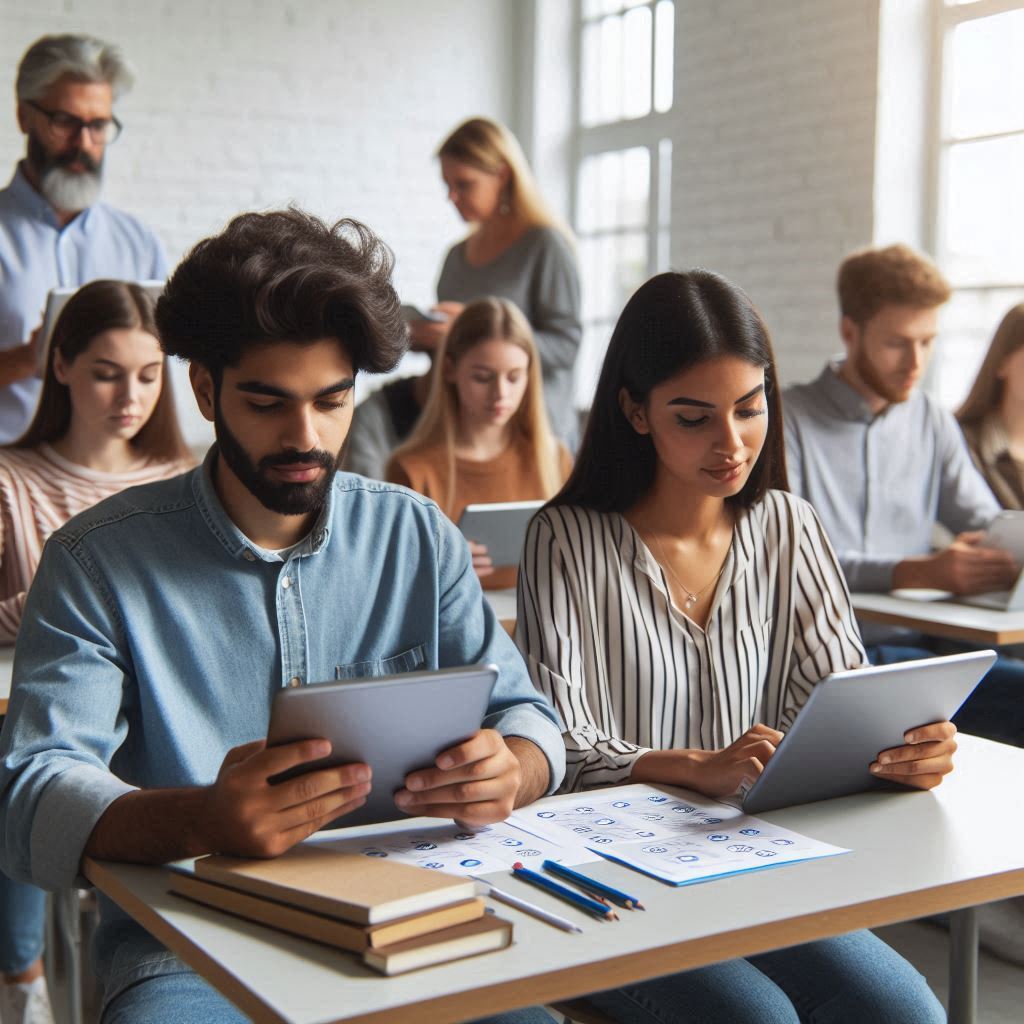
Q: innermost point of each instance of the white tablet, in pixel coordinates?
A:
(851, 717)
(57, 299)
(500, 526)
(395, 724)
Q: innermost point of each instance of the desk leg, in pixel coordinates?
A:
(67, 915)
(963, 966)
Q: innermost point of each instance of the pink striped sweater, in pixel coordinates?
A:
(39, 491)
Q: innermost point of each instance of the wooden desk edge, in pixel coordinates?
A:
(566, 983)
(972, 634)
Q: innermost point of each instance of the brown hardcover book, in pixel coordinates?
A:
(317, 877)
(318, 927)
(480, 936)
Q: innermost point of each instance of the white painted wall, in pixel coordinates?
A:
(337, 105)
(774, 156)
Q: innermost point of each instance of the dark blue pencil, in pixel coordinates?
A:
(586, 882)
(601, 910)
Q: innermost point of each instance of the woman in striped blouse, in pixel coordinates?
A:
(105, 421)
(677, 605)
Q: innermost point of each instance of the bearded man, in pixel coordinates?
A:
(54, 231)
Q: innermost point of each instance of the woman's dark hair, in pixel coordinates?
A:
(283, 276)
(672, 323)
(97, 307)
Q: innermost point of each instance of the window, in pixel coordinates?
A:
(980, 207)
(623, 162)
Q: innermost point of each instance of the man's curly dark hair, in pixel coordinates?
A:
(283, 276)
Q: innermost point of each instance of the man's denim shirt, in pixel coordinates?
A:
(155, 636)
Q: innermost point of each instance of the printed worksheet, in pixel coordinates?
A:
(678, 839)
(445, 847)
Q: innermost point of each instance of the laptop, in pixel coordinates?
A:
(851, 717)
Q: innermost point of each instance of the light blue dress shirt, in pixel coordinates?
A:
(155, 636)
(37, 254)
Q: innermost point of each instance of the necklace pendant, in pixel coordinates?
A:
(690, 601)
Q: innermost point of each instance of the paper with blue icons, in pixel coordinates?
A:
(446, 847)
(676, 836)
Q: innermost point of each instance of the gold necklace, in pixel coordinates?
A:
(692, 597)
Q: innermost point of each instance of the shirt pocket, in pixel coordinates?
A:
(407, 661)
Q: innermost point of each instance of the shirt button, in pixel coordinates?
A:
(248, 555)
(286, 582)
(294, 681)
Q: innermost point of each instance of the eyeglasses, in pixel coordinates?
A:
(64, 126)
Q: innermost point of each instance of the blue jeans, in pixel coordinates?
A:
(184, 998)
(852, 979)
(995, 710)
(22, 920)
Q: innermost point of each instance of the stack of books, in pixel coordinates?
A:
(395, 916)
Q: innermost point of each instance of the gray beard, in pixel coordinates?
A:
(65, 190)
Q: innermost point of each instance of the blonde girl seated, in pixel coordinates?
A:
(484, 435)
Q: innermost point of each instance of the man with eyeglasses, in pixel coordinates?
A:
(54, 233)
(53, 230)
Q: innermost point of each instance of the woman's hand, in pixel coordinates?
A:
(714, 773)
(429, 335)
(482, 564)
(925, 759)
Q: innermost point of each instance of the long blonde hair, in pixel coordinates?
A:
(480, 321)
(487, 146)
(987, 392)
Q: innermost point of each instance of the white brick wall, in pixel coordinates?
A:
(337, 105)
(773, 155)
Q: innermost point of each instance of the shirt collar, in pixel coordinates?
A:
(236, 543)
(846, 400)
(29, 199)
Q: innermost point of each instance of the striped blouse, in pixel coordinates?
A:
(40, 491)
(628, 672)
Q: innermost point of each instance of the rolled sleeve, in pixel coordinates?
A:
(469, 633)
(868, 574)
(64, 724)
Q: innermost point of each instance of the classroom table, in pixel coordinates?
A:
(913, 854)
(504, 604)
(934, 616)
(6, 667)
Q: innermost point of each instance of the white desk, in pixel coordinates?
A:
(504, 604)
(942, 618)
(913, 854)
(6, 667)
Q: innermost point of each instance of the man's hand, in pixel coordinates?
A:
(965, 567)
(249, 816)
(714, 773)
(925, 759)
(22, 361)
(477, 782)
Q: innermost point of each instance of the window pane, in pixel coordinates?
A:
(588, 363)
(664, 48)
(614, 191)
(966, 328)
(987, 81)
(636, 62)
(984, 212)
(664, 182)
(590, 74)
(609, 107)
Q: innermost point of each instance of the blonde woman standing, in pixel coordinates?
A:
(484, 435)
(992, 417)
(517, 250)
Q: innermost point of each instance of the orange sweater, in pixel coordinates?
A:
(511, 476)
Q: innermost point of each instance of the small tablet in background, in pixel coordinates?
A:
(410, 313)
(501, 527)
(1007, 532)
(57, 299)
(395, 724)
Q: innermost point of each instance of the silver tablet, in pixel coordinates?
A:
(501, 526)
(395, 724)
(851, 717)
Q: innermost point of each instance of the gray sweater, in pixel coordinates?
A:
(538, 273)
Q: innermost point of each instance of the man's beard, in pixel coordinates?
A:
(284, 498)
(64, 189)
(874, 380)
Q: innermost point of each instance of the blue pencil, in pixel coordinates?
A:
(586, 882)
(601, 910)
